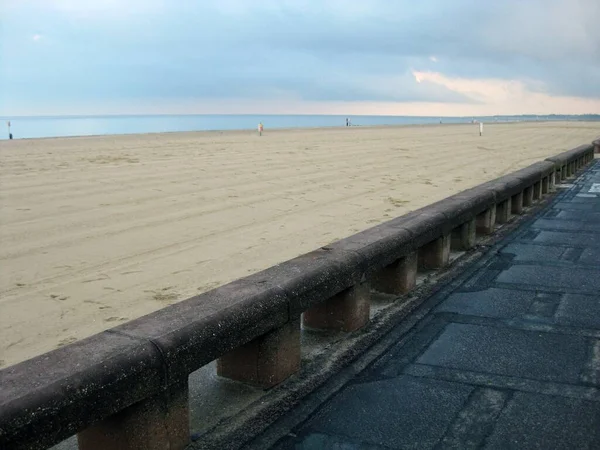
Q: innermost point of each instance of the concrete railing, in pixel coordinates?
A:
(127, 387)
(596, 145)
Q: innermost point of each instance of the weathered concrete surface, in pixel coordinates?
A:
(508, 357)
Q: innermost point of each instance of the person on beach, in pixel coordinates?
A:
(260, 129)
(347, 122)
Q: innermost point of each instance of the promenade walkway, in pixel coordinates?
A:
(505, 357)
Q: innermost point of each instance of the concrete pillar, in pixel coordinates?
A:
(265, 361)
(546, 184)
(537, 191)
(517, 203)
(436, 254)
(486, 221)
(552, 182)
(463, 237)
(347, 311)
(503, 211)
(563, 173)
(399, 277)
(157, 423)
(528, 196)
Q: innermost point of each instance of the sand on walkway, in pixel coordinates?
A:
(95, 231)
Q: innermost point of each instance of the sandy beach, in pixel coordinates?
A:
(95, 231)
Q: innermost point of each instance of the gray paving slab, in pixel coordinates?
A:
(568, 238)
(567, 225)
(395, 413)
(579, 310)
(566, 206)
(582, 279)
(532, 421)
(581, 216)
(550, 357)
(493, 302)
(528, 252)
(590, 256)
(507, 358)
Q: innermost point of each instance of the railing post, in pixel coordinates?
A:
(436, 254)
(528, 196)
(266, 360)
(157, 423)
(503, 211)
(537, 190)
(399, 277)
(486, 221)
(517, 203)
(463, 237)
(347, 311)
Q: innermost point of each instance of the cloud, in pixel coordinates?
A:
(36, 37)
(303, 52)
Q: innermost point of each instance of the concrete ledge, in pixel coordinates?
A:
(596, 145)
(564, 159)
(49, 398)
(196, 331)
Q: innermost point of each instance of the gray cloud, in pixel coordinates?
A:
(306, 49)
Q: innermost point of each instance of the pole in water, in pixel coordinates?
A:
(9, 133)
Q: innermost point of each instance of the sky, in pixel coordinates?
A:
(381, 57)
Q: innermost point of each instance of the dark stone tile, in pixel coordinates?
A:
(533, 421)
(569, 225)
(590, 256)
(493, 302)
(396, 413)
(505, 351)
(319, 441)
(584, 216)
(567, 206)
(579, 279)
(585, 199)
(568, 238)
(579, 310)
(526, 252)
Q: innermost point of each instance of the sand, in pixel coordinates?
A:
(95, 231)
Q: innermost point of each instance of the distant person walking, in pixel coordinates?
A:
(347, 122)
(260, 129)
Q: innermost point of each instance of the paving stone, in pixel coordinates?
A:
(570, 225)
(320, 441)
(397, 413)
(498, 303)
(505, 351)
(590, 256)
(579, 310)
(533, 421)
(558, 278)
(582, 216)
(527, 252)
(567, 206)
(568, 238)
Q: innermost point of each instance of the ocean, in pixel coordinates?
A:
(41, 127)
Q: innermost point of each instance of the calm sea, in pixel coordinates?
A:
(39, 127)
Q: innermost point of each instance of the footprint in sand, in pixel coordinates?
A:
(66, 341)
(115, 319)
(396, 201)
(163, 295)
